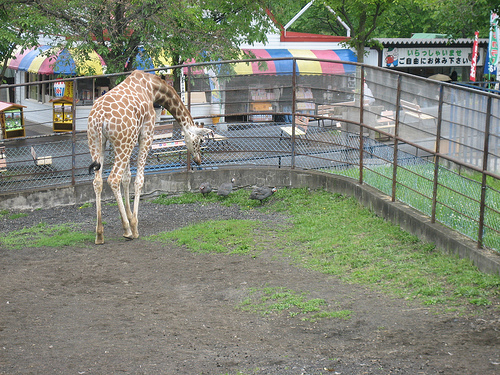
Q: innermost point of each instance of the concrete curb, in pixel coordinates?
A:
(398, 213)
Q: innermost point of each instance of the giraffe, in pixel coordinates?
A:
(125, 116)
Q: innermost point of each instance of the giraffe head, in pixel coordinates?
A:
(194, 137)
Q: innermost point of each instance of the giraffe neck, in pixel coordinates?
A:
(166, 96)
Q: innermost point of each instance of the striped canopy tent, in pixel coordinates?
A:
(144, 62)
(53, 60)
(304, 67)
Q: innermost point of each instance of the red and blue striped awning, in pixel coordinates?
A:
(285, 67)
(52, 60)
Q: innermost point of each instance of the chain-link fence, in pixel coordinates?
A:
(431, 145)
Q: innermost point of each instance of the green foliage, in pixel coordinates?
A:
(21, 26)
(460, 18)
(167, 31)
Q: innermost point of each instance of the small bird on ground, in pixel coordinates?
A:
(205, 188)
(261, 193)
(226, 188)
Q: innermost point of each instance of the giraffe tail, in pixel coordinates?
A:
(95, 166)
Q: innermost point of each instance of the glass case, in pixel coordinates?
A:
(12, 120)
(62, 115)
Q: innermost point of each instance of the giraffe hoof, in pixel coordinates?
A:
(128, 238)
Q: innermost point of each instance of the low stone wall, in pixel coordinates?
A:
(178, 182)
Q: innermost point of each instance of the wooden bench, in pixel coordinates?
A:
(41, 161)
(301, 123)
(414, 110)
(386, 122)
(289, 129)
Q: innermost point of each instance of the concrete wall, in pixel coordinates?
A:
(172, 183)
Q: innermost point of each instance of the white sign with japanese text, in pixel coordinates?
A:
(405, 57)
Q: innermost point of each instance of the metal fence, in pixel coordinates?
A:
(432, 145)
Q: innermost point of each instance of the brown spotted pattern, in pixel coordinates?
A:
(125, 116)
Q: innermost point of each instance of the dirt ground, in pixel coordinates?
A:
(141, 307)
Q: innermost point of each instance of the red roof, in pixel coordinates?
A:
(6, 106)
(292, 36)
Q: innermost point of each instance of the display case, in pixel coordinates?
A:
(12, 120)
(62, 115)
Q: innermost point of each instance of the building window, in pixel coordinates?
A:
(42, 92)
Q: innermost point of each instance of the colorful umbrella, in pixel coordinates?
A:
(51, 60)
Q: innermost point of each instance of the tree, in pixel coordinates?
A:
(21, 27)
(461, 18)
(172, 30)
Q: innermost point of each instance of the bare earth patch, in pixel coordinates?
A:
(142, 307)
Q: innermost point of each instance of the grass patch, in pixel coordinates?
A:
(276, 300)
(337, 236)
(46, 235)
(222, 236)
(18, 215)
(6, 213)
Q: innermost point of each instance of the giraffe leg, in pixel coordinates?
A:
(144, 144)
(97, 146)
(127, 232)
(126, 197)
(139, 180)
(99, 230)
(114, 181)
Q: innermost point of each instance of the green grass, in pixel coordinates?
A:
(46, 235)
(337, 236)
(222, 236)
(276, 300)
(12, 216)
(458, 196)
